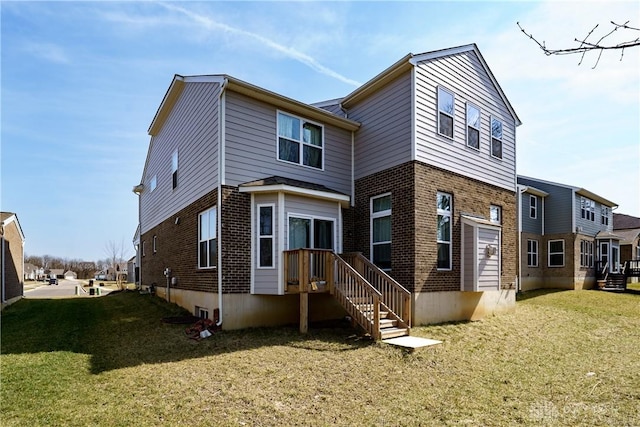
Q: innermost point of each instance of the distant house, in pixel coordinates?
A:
(70, 275)
(628, 228)
(132, 270)
(56, 273)
(566, 234)
(30, 271)
(405, 189)
(11, 258)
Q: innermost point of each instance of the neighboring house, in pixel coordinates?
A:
(566, 234)
(57, 273)
(11, 258)
(132, 270)
(70, 275)
(415, 170)
(628, 228)
(30, 271)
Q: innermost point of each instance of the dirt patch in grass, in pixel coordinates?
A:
(563, 358)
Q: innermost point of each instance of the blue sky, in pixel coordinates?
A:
(81, 82)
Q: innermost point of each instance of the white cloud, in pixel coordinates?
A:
(212, 25)
(47, 51)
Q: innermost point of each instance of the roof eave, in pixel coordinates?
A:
(588, 194)
(290, 189)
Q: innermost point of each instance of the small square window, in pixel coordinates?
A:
(495, 214)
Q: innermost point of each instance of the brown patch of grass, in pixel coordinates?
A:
(563, 358)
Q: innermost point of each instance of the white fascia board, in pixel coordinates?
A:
(283, 188)
(533, 190)
(479, 222)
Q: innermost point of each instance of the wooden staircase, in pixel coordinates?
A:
(618, 281)
(375, 301)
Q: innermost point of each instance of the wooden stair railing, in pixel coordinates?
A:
(395, 297)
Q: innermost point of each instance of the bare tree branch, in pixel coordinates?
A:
(585, 46)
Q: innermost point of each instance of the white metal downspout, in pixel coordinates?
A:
(221, 159)
(353, 167)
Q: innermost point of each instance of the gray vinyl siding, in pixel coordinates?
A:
(334, 109)
(588, 227)
(384, 138)
(192, 129)
(266, 279)
(558, 207)
(531, 225)
(251, 147)
(488, 267)
(463, 75)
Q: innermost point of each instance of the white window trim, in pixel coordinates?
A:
(469, 104)
(301, 142)
(155, 247)
(549, 253)
(536, 253)
(499, 210)
(533, 208)
(153, 183)
(212, 208)
(587, 209)
(143, 249)
(448, 213)
(272, 236)
(174, 169)
(501, 139)
(374, 215)
(586, 253)
(452, 115)
(604, 210)
(337, 246)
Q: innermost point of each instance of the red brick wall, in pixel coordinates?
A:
(413, 188)
(177, 246)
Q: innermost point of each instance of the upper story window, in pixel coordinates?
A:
(587, 209)
(445, 112)
(381, 231)
(265, 236)
(174, 168)
(443, 202)
(533, 207)
(300, 141)
(473, 127)
(207, 238)
(153, 183)
(606, 213)
(495, 214)
(496, 138)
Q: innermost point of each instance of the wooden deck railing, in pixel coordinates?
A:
(633, 268)
(393, 295)
(308, 270)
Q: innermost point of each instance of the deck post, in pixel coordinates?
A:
(304, 311)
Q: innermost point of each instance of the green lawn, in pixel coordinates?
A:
(562, 358)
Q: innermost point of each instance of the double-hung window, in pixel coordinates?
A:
(605, 215)
(533, 207)
(300, 141)
(532, 253)
(443, 201)
(265, 236)
(586, 253)
(473, 126)
(174, 169)
(587, 209)
(496, 138)
(207, 238)
(556, 253)
(445, 112)
(381, 231)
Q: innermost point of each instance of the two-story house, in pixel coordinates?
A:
(566, 235)
(248, 197)
(11, 259)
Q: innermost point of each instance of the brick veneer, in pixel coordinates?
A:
(13, 273)
(413, 187)
(177, 246)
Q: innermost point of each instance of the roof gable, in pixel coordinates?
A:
(412, 60)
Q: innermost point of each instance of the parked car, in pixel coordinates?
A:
(53, 281)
